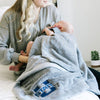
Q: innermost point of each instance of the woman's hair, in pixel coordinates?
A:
(17, 6)
(28, 12)
(28, 17)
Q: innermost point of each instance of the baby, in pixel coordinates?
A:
(49, 31)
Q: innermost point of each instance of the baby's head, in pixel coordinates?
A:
(65, 27)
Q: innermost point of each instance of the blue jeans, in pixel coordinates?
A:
(97, 75)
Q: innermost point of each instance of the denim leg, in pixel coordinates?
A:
(97, 75)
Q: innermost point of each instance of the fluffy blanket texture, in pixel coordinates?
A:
(55, 69)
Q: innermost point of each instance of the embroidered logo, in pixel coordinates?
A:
(44, 89)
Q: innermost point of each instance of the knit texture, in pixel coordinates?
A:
(10, 24)
(58, 60)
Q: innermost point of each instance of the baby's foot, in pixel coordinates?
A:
(14, 68)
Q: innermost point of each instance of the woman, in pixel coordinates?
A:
(22, 23)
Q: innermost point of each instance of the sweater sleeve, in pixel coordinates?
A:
(7, 55)
(56, 14)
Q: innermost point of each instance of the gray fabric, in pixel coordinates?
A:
(10, 24)
(56, 30)
(57, 59)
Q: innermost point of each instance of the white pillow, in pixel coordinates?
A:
(2, 10)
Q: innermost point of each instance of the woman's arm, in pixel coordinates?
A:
(7, 55)
(23, 59)
(56, 14)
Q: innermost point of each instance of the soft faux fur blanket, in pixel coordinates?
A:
(55, 70)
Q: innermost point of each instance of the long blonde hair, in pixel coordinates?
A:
(28, 17)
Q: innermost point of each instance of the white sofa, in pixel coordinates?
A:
(7, 81)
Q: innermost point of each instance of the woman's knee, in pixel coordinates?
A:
(30, 43)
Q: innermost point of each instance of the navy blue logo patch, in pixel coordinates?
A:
(45, 89)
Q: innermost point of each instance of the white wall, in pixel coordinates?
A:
(85, 17)
(6, 2)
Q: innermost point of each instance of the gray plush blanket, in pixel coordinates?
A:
(55, 70)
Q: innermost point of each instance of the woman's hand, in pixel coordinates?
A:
(23, 53)
(47, 31)
(23, 59)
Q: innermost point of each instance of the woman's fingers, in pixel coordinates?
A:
(57, 25)
(49, 27)
(42, 31)
(21, 52)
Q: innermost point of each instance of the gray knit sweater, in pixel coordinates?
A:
(10, 24)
